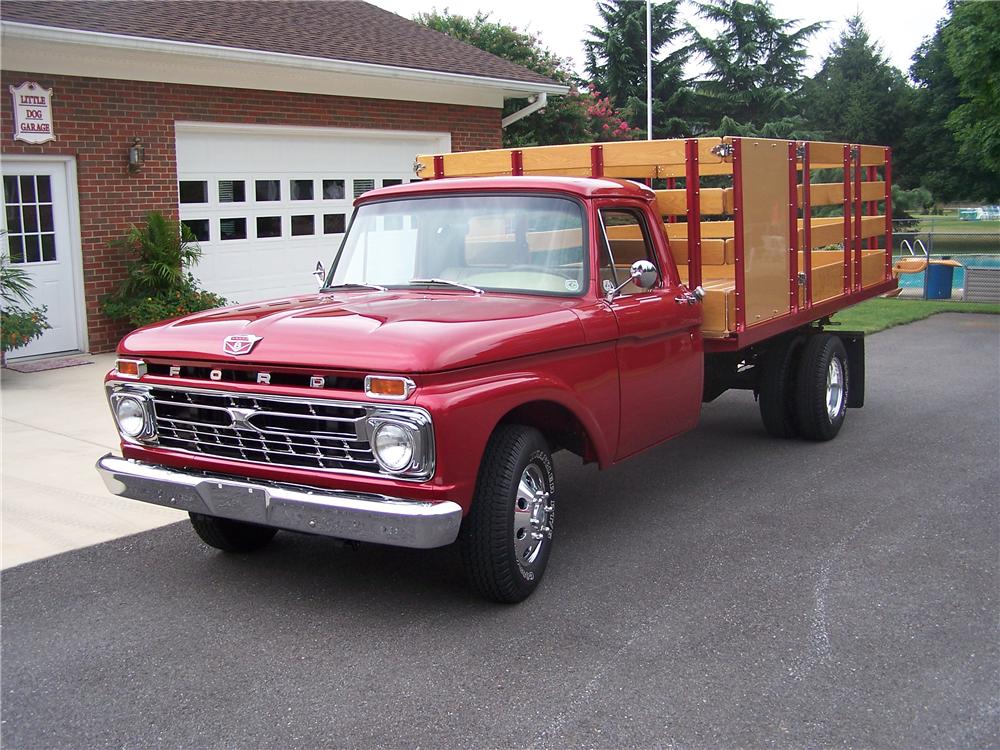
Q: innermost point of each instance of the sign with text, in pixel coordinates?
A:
(32, 113)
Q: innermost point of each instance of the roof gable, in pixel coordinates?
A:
(348, 30)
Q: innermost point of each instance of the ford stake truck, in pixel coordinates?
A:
(511, 304)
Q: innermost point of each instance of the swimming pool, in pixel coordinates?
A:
(916, 280)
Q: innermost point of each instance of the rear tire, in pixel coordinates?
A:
(822, 387)
(776, 389)
(231, 536)
(506, 538)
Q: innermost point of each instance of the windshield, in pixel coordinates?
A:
(492, 242)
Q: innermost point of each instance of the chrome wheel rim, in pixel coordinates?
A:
(532, 514)
(834, 388)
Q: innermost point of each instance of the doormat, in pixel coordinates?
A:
(56, 363)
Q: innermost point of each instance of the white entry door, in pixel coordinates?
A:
(37, 197)
(267, 202)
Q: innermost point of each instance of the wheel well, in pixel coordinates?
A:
(558, 424)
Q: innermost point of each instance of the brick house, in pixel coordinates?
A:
(256, 122)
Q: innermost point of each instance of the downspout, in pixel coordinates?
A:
(536, 103)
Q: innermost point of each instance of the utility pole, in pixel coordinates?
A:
(649, 70)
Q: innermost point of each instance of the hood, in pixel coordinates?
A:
(391, 332)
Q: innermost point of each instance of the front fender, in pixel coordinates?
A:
(466, 407)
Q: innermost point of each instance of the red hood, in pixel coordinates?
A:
(396, 331)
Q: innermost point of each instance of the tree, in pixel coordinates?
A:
(972, 40)
(616, 62)
(581, 116)
(857, 96)
(929, 153)
(754, 63)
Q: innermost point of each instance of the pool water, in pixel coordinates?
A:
(916, 280)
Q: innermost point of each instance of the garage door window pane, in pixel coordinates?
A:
(363, 186)
(32, 248)
(268, 190)
(16, 246)
(301, 190)
(193, 191)
(48, 247)
(334, 223)
(29, 216)
(233, 229)
(302, 225)
(333, 190)
(232, 191)
(390, 183)
(27, 189)
(44, 188)
(268, 226)
(45, 218)
(10, 191)
(199, 228)
(13, 219)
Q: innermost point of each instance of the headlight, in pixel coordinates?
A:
(393, 444)
(133, 416)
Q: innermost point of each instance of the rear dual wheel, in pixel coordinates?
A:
(803, 387)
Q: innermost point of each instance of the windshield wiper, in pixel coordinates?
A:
(446, 282)
(332, 287)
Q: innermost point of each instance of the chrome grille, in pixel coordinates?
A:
(317, 434)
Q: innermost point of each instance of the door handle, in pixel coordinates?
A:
(690, 298)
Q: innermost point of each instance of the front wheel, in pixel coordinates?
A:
(506, 538)
(231, 536)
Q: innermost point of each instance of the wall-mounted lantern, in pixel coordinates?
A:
(136, 155)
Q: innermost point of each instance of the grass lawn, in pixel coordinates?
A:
(878, 314)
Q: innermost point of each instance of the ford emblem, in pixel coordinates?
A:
(240, 344)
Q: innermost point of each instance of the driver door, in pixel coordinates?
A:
(659, 348)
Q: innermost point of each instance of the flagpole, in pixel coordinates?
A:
(649, 70)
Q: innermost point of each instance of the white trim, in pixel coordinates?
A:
(194, 126)
(39, 33)
(75, 238)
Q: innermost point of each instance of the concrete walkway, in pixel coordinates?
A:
(56, 424)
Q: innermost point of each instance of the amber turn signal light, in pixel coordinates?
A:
(130, 368)
(388, 387)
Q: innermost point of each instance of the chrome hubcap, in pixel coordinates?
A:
(834, 388)
(532, 514)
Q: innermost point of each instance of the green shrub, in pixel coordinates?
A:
(158, 283)
(20, 322)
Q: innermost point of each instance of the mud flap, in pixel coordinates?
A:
(854, 343)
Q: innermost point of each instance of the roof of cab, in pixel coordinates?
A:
(584, 187)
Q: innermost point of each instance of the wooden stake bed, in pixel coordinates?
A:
(772, 249)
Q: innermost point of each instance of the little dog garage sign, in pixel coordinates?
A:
(32, 113)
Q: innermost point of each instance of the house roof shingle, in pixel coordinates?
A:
(348, 30)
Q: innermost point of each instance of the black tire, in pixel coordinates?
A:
(812, 398)
(776, 388)
(229, 535)
(495, 558)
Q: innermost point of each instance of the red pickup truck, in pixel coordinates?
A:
(470, 327)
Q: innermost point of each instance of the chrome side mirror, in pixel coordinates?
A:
(642, 273)
(320, 274)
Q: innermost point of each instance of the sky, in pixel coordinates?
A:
(898, 25)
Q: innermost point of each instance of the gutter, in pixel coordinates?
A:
(56, 35)
(537, 103)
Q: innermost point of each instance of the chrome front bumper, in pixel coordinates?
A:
(345, 515)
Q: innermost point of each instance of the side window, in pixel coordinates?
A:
(626, 240)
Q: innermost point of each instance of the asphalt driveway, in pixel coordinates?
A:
(723, 590)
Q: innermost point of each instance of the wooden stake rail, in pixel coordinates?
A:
(772, 248)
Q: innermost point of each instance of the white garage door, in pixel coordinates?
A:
(267, 202)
